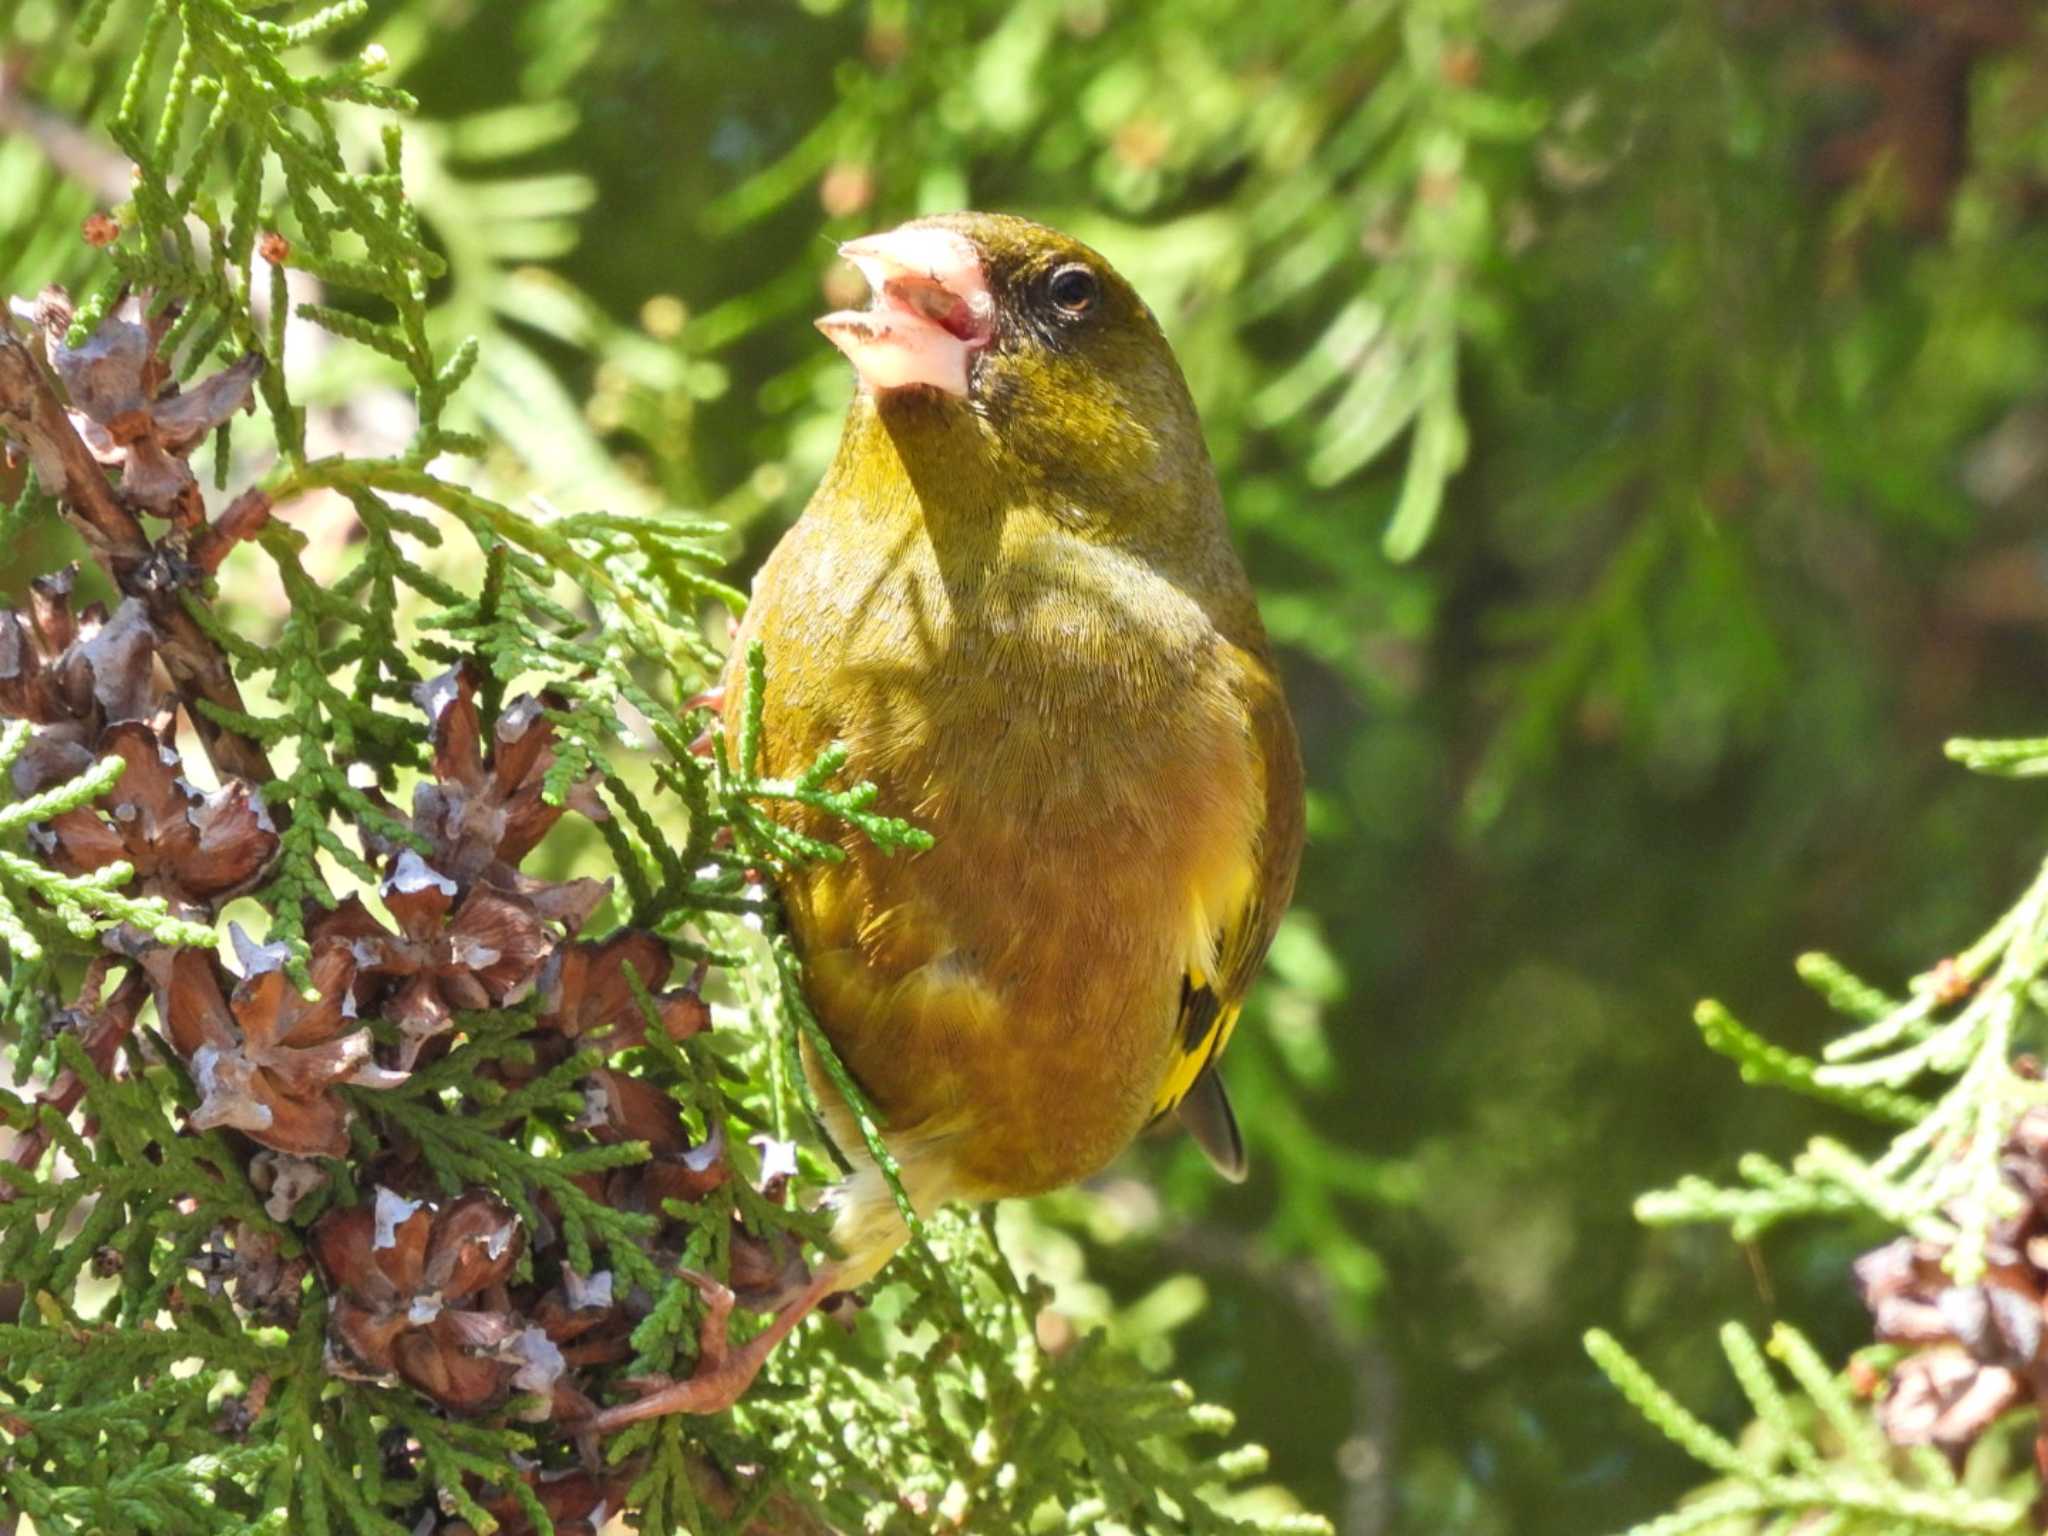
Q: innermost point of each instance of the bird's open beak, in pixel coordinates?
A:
(929, 312)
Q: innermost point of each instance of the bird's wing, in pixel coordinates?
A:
(1211, 995)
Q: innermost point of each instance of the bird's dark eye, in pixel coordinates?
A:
(1075, 289)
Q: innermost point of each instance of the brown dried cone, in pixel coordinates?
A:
(452, 952)
(266, 1284)
(578, 1502)
(1977, 1350)
(101, 1025)
(766, 1270)
(285, 1181)
(71, 675)
(590, 1325)
(127, 407)
(585, 988)
(619, 1108)
(763, 1271)
(419, 1293)
(194, 850)
(484, 812)
(586, 1319)
(159, 576)
(265, 1060)
(472, 930)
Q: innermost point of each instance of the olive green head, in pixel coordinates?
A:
(992, 324)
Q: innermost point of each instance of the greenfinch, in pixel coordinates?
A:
(1014, 599)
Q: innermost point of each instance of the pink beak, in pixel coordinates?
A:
(929, 312)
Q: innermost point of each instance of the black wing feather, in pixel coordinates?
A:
(1207, 1114)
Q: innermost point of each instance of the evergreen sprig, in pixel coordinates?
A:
(33, 896)
(212, 1186)
(1816, 1458)
(1946, 1180)
(1939, 1177)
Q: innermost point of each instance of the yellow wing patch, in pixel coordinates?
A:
(1226, 937)
(1204, 1029)
(1209, 1004)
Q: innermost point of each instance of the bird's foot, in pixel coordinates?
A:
(723, 1373)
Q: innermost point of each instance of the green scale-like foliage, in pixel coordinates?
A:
(169, 1310)
(1954, 1178)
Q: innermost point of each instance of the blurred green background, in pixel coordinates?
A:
(1696, 354)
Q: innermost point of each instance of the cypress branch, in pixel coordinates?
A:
(1959, 1179)
(435, 1164)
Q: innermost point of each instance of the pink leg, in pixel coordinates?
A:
(723, 1373)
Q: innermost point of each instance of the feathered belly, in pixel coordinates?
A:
(1013, 992)
(1080, 755)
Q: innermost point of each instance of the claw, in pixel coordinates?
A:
(713, 1345)
(723, 1374)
